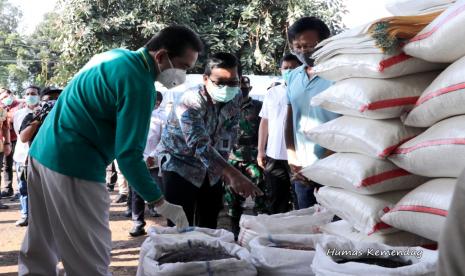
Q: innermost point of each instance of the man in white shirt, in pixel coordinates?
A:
(21, 150)
(274, 159)
(135, 202)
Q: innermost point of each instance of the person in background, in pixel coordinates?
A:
(123, 187)
(103, 114)
(272, 153)
(244, 157)
(5, 144)
(11, 105)
(20, 154)
(197, 140)
(112, 177)
(135, 202)
(303, 37)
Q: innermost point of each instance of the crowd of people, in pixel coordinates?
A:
(216, 146)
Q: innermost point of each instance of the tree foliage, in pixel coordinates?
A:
(254, 30)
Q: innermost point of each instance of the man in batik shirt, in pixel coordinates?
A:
(196, 141)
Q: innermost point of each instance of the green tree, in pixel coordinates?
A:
(255, 30)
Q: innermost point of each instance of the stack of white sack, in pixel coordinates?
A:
(304, 221)
(415, 7)
(197, 251)
(373, 91)
(354, 54)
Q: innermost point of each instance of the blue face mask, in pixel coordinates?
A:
(32, 100)
(222, 94)
(8, 101)
(286, 73)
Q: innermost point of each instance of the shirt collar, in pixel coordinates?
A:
(148, 61)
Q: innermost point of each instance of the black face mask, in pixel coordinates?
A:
(305, 58)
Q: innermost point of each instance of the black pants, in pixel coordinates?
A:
(8, 170)
(137, 204)
(201, 205)
(279, 188)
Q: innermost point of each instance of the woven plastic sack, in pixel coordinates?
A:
(361, 174)
(343, 229)
(304, 221)
(438, 152)
(415, 7)
(285, 254)
(423, 211)
(444, 98)
(363, 212)
(375, 138)
(240, 265)
(441, 40)
(374, 98)
(380, 66)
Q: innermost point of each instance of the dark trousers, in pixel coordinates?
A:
(278, 183)
(8, 170)
(201, 205)
(305, 193)
(137, 204)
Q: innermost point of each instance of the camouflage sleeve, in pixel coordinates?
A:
(197, 138)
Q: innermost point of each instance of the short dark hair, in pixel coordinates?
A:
(159, 97)
(221, 60)
(50, 90)
(290, 57)
(175, 39)
(33, 87)
(245, 79)
(310, 23)
(8, 91)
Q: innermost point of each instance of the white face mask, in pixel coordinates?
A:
(171, 77)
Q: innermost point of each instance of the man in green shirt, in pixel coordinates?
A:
(103, 114)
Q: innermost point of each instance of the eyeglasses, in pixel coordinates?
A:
(230, 83)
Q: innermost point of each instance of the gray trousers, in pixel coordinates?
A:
(68, 221)
(452, 241)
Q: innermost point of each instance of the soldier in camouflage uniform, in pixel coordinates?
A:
(244, 156)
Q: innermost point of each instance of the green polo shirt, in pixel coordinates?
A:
(103, 114)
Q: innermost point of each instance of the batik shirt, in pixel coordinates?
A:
(198, 136)
(245, 150)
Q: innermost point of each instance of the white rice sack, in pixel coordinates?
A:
(374, 98)
(352, 41)
(285, 254)
(444, 98)
(172, 233)
(343, 229)
(361, 174)
(375, 138)
(442, 39)
(423, 211)
(303, 221)
(328, 256)
(415, 7)
(363, 212)
(149, 264)
(438, 152)
(380, 66)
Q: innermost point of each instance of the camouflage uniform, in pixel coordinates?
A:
(244, 158)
